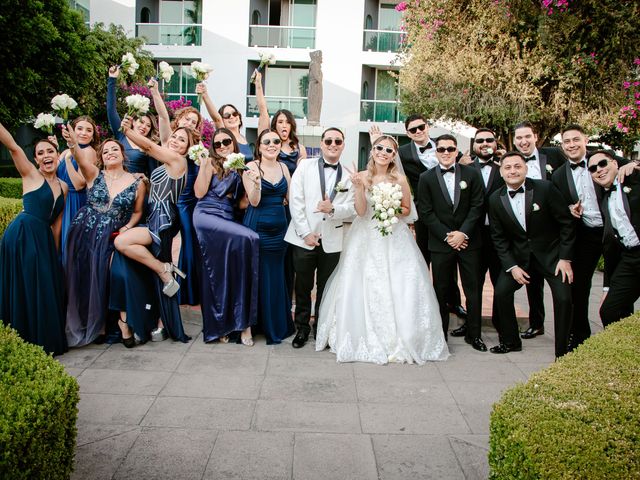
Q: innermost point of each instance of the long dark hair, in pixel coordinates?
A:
(218, 160)
(293, 138)
(221, 111)
(256, 153)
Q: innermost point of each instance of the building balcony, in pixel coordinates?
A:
(179, 34)
(380, 111)
(382, 40)
(282, 37)
(296, 105)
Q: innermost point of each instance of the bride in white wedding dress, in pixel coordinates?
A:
(379, 305)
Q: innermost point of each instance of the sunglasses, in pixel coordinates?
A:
(601, 164)
(329, 141)
(485, 140)
(226, 142)
(269, 141)
(227, 115)
(380, 148)
(446, 149)
(417, 128)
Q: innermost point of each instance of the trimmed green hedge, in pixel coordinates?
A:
(579, 418)
(38, 413)
(11, 187)
(9, 208)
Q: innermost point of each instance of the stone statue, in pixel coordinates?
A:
(314, 95)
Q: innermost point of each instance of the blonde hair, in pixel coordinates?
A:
(392, 170)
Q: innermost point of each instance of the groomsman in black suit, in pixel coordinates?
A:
(541, 163)
(621, 211)
(417, 157)
(450, 202)
(533, 233)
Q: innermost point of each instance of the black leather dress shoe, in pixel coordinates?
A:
(300, 339)
(461, 331)
(532, 332)
(477, 343)
(459, 311)
(503, 348)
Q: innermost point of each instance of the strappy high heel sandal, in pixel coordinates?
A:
(171, 287)
(127, 342)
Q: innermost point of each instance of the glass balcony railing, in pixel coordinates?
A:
(182, 34)
(282, 37)
(380, 111)
(382, 40)
(297, 105)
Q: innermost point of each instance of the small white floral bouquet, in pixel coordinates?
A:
(45, 122)
(235, 161)
(129, 63)
(265, 59)
(200, 71)
(198, 153)
(341, 187)
(63, 104)
(386, 199)
(137, 105)
(166, 71)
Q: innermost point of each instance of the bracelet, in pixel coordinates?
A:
(71, 145)
(127, 227)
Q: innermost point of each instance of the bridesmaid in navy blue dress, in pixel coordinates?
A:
(146, 125)
(31, 293)
(88, 138)
(229, 284)
(267, 184)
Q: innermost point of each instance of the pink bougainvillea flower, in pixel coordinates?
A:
(402, 6)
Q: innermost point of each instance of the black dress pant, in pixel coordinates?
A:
(489, 261)
(624, 288)
(535, 296)
(306, 264)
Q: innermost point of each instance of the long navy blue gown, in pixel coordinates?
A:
(290, 160)
(269, 220)
(229, 282)
(76, 199)
(189, 262)
(31, 288)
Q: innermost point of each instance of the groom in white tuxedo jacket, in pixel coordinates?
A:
(321, 200)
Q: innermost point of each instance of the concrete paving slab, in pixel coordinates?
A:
(278, 415)
(496, 368)
(435, 419)
(394, 372)
(219, 385)
(132, 382)
(73, 371)
(285, 366)
(475, 400)
(80, 357)
(223, 363)
(251, 456)
(403, 392)
(529, 368)
(113, 409)
(323, 389)
(471, 452)
(136, 359)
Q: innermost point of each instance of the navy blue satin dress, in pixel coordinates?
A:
(269, 220)
(31, 286)
(189, 263)
(229, 282)
(76, 199)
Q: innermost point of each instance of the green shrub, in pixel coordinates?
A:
(577, 419)
(9, 208)
(11, 187)
(38, 414)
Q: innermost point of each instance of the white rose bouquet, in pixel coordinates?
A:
(200, 71)
(198, 153)
(63, 104)
(137, 105)
(129, 63)
(265, 59)
(45, 122)
(166, 71)
(235, 161)
(386, 199)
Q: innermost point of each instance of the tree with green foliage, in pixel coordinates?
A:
(494, 63)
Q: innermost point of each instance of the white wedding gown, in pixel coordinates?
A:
(379, 305)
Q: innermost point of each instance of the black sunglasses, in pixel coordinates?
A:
(485, 140)
(269, 141)
(227, 115)
(601, 164)
(446, 149)
(380, 148)
(329, 141)
(226, 142)
(417, 128)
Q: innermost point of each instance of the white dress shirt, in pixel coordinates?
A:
(517, 205)
(619, 219)
(534, 170)
(428, 157)
(329, 179)
(449, 181)
(486, 173)
(591, 215)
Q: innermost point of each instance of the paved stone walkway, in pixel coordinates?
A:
(195, 411)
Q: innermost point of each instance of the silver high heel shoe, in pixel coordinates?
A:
(171, 287)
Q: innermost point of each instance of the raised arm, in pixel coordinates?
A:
(112, 112)
(25, 168)
(252, 184)
(86, 157)
(203, 180)
(164, 123)
(201, 88)
(263, 121)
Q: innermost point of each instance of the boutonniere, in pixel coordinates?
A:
(549, 168)
(626, 189)
(340, 187)
(463, 185)
(536, 207)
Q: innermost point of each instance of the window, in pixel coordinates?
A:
(384, 105)
(182, 84)
(179, 23)
(386, 86)
(285, 87)
(365, 90)
(181, 11)
(302, 13)
(389, 18)
(368, 23)
(82, 6)
(145, 15)
(255, 17)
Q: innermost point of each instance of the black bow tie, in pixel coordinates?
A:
(425, 148)
(331, 165)
(447, 170)
(582, 164)
(513, 193)
(611, 189)
(488, 163)
(528, 159)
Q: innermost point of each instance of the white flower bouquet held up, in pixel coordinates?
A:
(265, 59)
(63, 104)
(45, 122)
(235, 161)
(129, 63)
(198, 153)
(200, 71)
(137, 105)
(386, 200)
(166, 71)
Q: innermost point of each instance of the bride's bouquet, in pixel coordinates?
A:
(386, 200)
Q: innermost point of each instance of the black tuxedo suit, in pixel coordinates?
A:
(624, 288)
(442, 216)
(586, 253)
(552, 156)
(549, 237)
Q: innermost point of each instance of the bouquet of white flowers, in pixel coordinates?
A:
(129, 63)
(198, 153)
(265, 59)
(63, 104)
(166, 71)
(45, 122)
(235, 161)
(200, 71)
(386, 199)
(137, 105)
